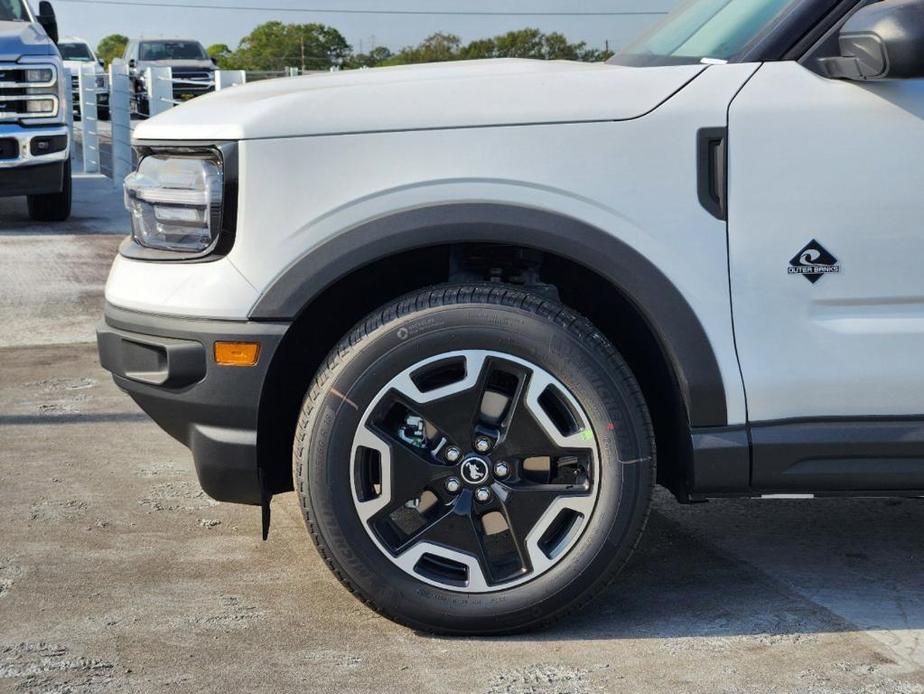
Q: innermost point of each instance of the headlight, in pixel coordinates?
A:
(39, 88)
(41, 107)
(42, 75)
(176, 202)
(101, 81)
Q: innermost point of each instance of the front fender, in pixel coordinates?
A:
(668, 313)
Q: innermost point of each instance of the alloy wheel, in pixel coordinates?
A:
(474, 471)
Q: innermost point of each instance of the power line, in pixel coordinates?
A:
(434, 13)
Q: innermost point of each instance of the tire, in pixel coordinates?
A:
(53, 207)
(558, 388)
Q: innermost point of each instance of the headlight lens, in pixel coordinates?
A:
(101, 81)
(39, 75)
(41, 107)
(176, 202)
(37, 81)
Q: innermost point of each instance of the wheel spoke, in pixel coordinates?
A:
(412, 471)
(524, 437)
(529, 431)
(455, 413)
(457, 531)
(530, 510)
(406, 473)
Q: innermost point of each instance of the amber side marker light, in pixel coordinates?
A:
(237, 353)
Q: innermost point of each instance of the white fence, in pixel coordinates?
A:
(160, 88)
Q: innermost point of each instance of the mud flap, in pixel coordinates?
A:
(266, 497)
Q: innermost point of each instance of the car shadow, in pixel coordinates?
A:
(764, 569)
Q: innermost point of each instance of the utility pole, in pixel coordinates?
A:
(303, 52)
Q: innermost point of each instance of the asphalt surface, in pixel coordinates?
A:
(117, 574)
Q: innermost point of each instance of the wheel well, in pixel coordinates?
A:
(322, 324)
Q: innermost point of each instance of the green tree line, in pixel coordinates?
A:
(276, 45)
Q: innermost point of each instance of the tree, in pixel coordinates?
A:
(275, 46)
(523, 43)
(436, 48)
(219, 52)
(111, 47)
(377, 56)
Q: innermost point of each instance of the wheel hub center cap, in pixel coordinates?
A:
(474, 470)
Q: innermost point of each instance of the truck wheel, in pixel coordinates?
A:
(103, 113)
(53, 207)
(475, 459)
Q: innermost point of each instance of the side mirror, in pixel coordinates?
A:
(214, 61)
(881, 41)
(46, 17)
(101, 63)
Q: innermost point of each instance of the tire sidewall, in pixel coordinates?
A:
(595, 376)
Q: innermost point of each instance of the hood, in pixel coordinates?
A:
(20, 38)
(441, 95)
(75, 65)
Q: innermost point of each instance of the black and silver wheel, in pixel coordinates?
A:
(475, 459)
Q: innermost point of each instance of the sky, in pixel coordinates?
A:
(93, 20)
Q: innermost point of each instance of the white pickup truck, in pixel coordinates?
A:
(485, 307)
(77, 54)
(34, 138)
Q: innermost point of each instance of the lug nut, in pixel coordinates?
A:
(453, 454)
(482, 494)
(483, 444)
(501, 470)
(453, 485)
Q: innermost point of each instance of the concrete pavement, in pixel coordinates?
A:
(98, 208)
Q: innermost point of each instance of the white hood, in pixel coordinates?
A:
(440, 95)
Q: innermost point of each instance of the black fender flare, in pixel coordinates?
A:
(667, 312)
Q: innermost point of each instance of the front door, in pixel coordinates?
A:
(826, 242)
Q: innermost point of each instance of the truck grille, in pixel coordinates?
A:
(15, 96)
(194, 81)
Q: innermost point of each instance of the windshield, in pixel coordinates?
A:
(14, 11)
(171, 50)
(704, 30)
(75, 51)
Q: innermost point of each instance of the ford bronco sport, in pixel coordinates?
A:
(485, 307)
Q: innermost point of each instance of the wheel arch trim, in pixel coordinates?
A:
(668, 314)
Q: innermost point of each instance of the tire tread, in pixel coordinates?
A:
(453, 295)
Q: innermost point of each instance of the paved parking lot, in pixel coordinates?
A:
(118, 574)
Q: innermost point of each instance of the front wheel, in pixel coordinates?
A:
(475, 459)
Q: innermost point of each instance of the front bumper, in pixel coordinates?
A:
(23, 139)
(167, 366)
(38, 179)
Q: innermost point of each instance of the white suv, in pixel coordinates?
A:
(486, 306)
